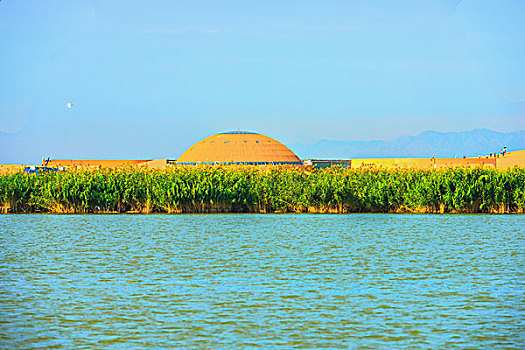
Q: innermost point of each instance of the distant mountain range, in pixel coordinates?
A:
(427, 144)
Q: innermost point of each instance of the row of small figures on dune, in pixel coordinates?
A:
(497, 155)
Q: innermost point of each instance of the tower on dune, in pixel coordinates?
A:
(239, 147)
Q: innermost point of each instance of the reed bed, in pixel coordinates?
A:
(211, 189)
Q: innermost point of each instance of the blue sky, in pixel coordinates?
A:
(150, 78)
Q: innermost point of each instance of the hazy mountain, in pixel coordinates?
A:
(427, 144)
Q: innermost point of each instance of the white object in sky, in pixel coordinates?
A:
(69, 105)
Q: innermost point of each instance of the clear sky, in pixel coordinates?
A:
(150, 78)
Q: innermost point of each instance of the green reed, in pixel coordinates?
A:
(271, 189)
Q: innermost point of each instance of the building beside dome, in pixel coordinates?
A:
(239, 147)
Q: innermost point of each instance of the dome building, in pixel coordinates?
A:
(239, 147)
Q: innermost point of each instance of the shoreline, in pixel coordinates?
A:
(309, 211)
(265, 214)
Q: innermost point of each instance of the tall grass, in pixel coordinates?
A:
(273, 189)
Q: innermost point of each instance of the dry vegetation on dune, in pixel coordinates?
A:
(274, 189)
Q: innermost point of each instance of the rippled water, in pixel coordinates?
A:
(262, 281)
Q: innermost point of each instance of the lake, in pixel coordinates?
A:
(262, 281)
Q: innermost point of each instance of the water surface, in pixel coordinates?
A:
(262, 281)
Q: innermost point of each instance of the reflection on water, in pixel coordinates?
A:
(261, 281)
